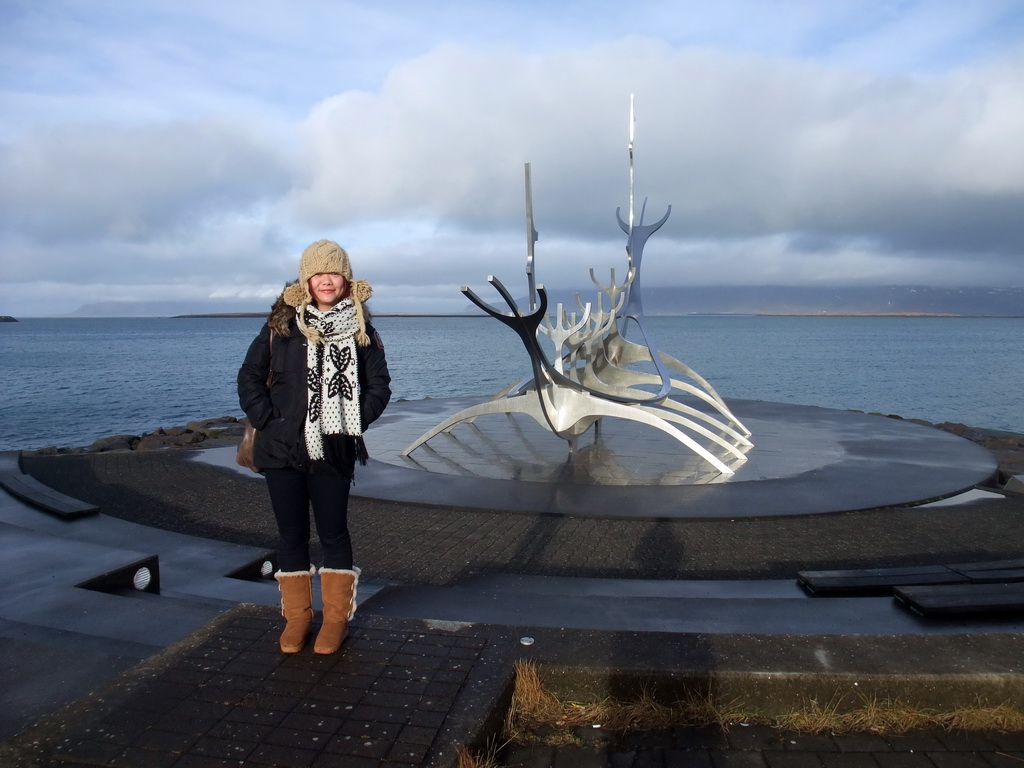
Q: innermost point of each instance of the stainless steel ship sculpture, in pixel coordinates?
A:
(594, 372)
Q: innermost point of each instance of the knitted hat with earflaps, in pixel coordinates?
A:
(327, 257)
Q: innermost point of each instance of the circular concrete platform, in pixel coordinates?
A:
(805, 460)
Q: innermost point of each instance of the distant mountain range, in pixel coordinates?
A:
(741, 300)
(814, 300)
(158, 308)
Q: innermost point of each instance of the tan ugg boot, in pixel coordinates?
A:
(296, 607)
(339, 592)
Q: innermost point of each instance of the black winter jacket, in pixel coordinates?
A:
(279, 414)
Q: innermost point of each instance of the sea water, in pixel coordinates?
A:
(68, 382)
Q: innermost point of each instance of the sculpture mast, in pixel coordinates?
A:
(632, 128)
(531, 239)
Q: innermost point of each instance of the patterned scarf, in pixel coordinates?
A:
(331, 374)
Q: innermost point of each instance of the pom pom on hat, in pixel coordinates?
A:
(296, 294)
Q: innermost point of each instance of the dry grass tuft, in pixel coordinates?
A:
(535, 710)
(532, 703)
(1002, 718)
(704, 709)
(487, 758)
(467, 759)
(895, 716)
(889, 716)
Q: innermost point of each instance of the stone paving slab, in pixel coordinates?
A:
(399, 694)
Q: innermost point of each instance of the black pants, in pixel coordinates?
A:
(292, 492)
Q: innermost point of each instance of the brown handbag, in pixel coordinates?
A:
(246, 448)
(244, 456)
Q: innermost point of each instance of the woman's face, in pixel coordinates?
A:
(327, 289)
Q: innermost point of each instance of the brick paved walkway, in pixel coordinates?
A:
(397, 696)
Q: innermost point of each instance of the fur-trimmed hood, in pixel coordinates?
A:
(281, 316)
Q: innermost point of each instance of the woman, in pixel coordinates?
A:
(328, 380)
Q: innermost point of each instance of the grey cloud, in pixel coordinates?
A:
(962, 223)
(95, 182)
(740, 146)
(235, 259)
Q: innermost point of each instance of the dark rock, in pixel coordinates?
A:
(233, 430)
(1002, 443)
(224, 426)
(114, 443)
(1010, 462)
(990, 438)
(156, 442)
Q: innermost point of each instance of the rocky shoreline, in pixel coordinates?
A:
(204, 433)
(1008, 447)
